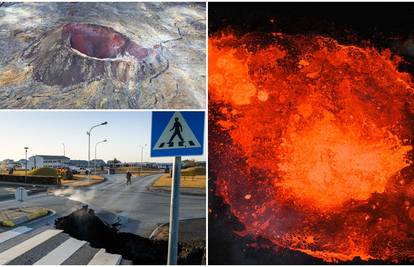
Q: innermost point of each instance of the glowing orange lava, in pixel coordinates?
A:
(329, 129)
(327, 164)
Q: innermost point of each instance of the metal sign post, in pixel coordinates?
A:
(176, 134)
(174, 213)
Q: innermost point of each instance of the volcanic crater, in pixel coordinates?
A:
(75, 53)
(102, 55)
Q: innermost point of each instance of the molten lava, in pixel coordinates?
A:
(325, 131)
(328, 164)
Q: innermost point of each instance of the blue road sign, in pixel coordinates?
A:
(177, 133)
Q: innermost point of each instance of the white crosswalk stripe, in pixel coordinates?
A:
(21, 244)
(16, 251)
(13, 233)
(61, 253)
(104, 258)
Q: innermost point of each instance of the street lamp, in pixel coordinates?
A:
(25, 169)
(142, 153)
(64, 149)
(89, 146)
(96, 145)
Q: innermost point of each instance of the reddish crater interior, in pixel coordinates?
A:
(100, 42)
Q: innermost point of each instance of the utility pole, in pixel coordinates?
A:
(96, 145)
(89, 147)
(25, 169)
(142, 155)
(174, 213)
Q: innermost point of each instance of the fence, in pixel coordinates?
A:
(46, 180)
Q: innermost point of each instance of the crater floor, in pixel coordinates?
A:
(135, 55)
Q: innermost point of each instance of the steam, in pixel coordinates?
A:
(76, 194)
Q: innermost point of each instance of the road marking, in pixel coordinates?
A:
(103, 258)
(61, 253)
(16, 251)
(13, 233)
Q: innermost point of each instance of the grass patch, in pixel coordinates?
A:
(197, 181)
(38, 213)
(83, 176)
(82, 180)
(43, 172)
(194, 171)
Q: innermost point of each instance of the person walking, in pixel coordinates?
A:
(128, 177)
(178, 128)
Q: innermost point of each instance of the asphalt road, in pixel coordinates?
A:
(139, 209)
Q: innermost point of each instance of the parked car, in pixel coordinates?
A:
(74, 169)
(83, 170)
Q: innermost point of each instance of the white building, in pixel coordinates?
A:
(8, 164)
(21, 163)
(51, 161)
(79, 163)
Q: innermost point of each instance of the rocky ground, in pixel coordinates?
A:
(34, 57)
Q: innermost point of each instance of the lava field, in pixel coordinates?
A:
(102, 55)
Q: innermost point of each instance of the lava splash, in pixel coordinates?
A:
(325, 132)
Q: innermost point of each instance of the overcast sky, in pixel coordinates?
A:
(45, 131)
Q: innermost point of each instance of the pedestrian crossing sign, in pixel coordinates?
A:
(177, 133)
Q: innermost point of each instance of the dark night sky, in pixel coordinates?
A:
(363, 18)
(385, 25)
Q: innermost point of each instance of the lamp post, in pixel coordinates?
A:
(25, 169)
(64, 149)
(142, 153)
(89, 146)
(96, 145)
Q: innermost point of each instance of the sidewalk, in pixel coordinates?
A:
(15, 216)
(183, 191)
(190, 185)
(190, 229)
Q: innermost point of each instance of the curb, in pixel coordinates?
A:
(84, 186)
(41, 212)
(168, 190)
(23, 184)
(151, 236)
